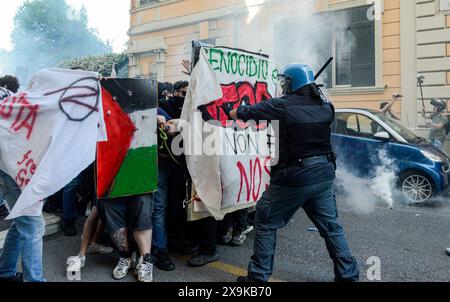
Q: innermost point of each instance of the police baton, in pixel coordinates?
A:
(323, 68)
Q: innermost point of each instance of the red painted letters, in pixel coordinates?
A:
(26, 115)
(242, 93)
(254, 182)
(27, 169)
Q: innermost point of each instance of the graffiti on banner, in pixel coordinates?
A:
(236, 176)
(48, 134)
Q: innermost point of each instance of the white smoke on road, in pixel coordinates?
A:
(363, 195)
(384, 181)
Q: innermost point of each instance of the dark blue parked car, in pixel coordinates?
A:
(358, 136)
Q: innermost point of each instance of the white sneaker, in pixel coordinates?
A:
(239, 239)
(75, 263)
(249, 229)
(144, 270)
(122, 268)
(96, 248)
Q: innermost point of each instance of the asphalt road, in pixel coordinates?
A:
(409, 241)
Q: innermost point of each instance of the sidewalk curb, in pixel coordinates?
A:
(52, 226)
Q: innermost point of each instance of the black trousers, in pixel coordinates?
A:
(206, 235)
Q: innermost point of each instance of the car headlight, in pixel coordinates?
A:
(432, 155)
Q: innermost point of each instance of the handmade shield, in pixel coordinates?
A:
(127, 161)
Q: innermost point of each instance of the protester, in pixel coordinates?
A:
(69, 201)
(206, 239)
(24, 237)
(169, 216)
(24, 240)
(8, 85)
(159, 245)
(438, 123)
(129, 224)
(386, 107)
(93, 228)
(165, 90)
(304, 175)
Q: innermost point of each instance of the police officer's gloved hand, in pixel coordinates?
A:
(227, 108)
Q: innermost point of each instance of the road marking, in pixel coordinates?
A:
(227, 268)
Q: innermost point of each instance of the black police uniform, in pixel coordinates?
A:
(303, 178)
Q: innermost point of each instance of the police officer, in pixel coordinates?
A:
(304, 175)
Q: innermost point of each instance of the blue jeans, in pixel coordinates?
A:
(160, 207)
(24, 238)
(276, 208)
(70, 200)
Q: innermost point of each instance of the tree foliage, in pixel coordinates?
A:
(49, 31)
(102, 64)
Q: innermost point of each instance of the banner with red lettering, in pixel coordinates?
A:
(229, 162)
(49, 133)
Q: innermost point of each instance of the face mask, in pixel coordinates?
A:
(179, 101)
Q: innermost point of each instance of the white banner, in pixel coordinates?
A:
(49, 133)
(229, 163)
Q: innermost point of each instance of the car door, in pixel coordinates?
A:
(354, 143)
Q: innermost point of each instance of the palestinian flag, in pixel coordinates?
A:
(127, 161)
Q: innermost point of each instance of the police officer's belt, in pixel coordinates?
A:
(310, 161)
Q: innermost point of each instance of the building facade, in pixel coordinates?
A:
(379, 45)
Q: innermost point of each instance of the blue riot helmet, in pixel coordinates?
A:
(295, 76)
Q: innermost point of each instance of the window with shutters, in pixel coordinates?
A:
(353, 49)
(343, 56)
(348, 35)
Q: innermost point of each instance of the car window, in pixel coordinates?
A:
(404, 132)
(358, 125)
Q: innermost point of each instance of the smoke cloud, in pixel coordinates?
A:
(288, 31)
(40, 41)
(363, 195)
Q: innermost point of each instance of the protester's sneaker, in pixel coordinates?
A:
(18, 278)
(69, 228)
(75, 263)
(122, 268)
(228, 236)
(162, 260)
(144, 269)
(202, 259)
(447, 250)
(239, 239)
(96, 248)
(249, 229)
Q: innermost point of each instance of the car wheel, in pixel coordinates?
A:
(416, 187)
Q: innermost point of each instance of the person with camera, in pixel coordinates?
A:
(438, 124)
(386, 107)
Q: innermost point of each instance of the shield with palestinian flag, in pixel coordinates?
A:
(127, 161)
